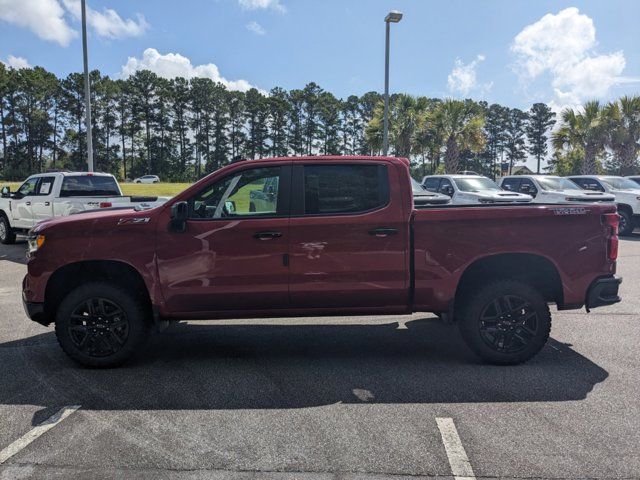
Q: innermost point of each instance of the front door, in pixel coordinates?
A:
(234, 253)
(42, 203)
(348, 237)
(21, 204)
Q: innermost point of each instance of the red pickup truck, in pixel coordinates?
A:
(316, 236)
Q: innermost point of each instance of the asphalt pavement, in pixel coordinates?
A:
(324, 398)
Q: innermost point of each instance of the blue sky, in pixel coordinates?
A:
(506, 51)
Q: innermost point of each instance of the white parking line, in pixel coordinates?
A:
(36, 431)
(458, 460)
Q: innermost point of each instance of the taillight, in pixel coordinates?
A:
(611, 221)
(105, 204)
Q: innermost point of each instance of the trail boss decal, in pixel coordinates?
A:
(570, 211)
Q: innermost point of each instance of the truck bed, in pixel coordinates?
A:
(448, 239)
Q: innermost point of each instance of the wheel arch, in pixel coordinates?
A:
(69, 277)
(530, 268)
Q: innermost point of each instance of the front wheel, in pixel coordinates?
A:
(101, 325)
(506, 322)
(7, 235)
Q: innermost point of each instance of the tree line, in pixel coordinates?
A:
(182, 129)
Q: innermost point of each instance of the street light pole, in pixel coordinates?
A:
(393, 17)
(87, 92)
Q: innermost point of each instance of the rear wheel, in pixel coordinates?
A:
(7, 235)
(506, 322)
(625, 227)
(101, 325)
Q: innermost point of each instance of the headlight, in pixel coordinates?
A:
(35, 242)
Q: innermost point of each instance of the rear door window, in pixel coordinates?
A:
(341, 189)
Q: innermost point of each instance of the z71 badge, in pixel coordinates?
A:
(570, 211)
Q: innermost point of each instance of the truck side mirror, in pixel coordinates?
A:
(5, 192)
(179, 215)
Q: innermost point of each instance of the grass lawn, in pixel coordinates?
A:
(147, 189)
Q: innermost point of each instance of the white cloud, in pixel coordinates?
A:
(563, 46)
(16, 62)
(108, 23)
(462, 78)
(173, 65)
(256, 28)
(262, 5)
(45, 18)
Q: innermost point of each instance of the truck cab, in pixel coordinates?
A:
(625, 191)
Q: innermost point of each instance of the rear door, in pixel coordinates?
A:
(348, 238)
(511, 184)
(42, 203)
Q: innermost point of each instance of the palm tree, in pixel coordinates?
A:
(623, 118)
(586, 131)
(460, 123)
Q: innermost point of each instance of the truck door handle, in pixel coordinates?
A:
(268, 235)
(28, 204)
(383, 231)
(46, 204)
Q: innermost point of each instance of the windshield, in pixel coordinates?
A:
(89, 186)
(619, 183)
(556, 183)
(416, 187)
(474, 184)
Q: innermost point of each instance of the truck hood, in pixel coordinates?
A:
(498, 196)
(583, 195)
(93, 219)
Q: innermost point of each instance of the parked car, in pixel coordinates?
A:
(147, 179)
(48, 195)
(471, 189)
(424, 198)
(634, 178)
(552, 189)
(625, 191)
(343, 240)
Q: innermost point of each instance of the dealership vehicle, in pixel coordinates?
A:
(471, 189)
(625, 191)
(57, 194)
(341, 237)
(552, 189)
(635, 179)
(423, 197)
(147, 179)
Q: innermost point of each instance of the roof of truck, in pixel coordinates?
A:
(73, 174)
(334, 158)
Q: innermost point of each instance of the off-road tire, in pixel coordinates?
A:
(127, 342)
(475, 322)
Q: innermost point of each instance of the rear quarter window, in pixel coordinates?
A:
(89, 186)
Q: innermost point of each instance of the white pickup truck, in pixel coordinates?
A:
(48, 195)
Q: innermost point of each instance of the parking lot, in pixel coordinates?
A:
(324, 398)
